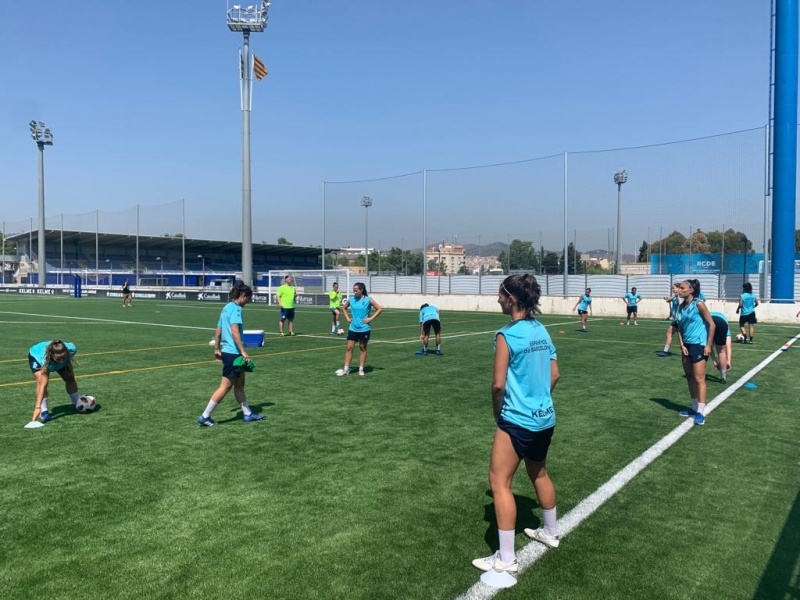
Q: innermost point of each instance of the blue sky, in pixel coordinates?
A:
(143, 100)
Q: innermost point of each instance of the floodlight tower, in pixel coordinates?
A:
(620, 177)
(43, 137)
(366, 202)
(247, 19)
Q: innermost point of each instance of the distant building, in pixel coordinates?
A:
(451, 256)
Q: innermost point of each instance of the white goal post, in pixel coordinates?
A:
(312, 285)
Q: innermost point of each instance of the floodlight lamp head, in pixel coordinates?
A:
(620, 177)
(366, 201)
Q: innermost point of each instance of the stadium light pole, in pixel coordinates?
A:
(366, 202)
(160, 271)
(110, 272)
(247, 19)
(43, 137)
(744, 260)
(201, 257)
(620, 177)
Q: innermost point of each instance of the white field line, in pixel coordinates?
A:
(533, 551)
(118, 321)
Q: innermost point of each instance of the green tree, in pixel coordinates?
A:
(435, 265)
(643, 252)
(463, 270)
(521, 254)
(697, 244)
(282, 241)
(574, 260)
(551, 262)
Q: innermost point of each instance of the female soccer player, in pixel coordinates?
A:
(228, 346)
(361, 316)
(747, 311)
(126, 294)
(673, 300)
(584, 306)
(525, 373)
(696, 333)
(722, 351)
(334, 302)
(51, 357)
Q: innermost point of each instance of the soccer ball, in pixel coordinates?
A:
(341, 331)
(85, 404)
(739, 337)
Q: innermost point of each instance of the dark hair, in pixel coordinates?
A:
(525, 289)
(362, 287)
(589, 290)
(238, 289)
(633, 288)
(423, 306)
(695, 285)
(747, 287)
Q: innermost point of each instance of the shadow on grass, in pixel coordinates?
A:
(778, 580)
(239, 415)
(525, 516)
(669, 404)
(67, 410)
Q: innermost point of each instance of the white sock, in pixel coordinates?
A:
(360, 369)
(549, 518)
(666, 348)
(507, 553)
(438, 346)
(210, 408)
(722, 373)
(44, 405)
(74, 398)
(694, 404)
(245, 408)
(701, 408)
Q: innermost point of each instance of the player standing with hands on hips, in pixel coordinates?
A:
(631, 300)
(525, 373)
(696, 330)
(229, 348)
(360, 318)
(45, 358)
(286, 294)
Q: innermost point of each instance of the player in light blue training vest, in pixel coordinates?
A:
(631, 300)
(747, 311)
(722, 350)
(673, 300)
(525, 373)
(584, 306)
(45, 358)
(357, 309)
(229, 349)
(429, 317)
(696, 333)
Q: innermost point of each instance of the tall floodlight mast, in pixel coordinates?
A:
(247, 19)
(43, 137)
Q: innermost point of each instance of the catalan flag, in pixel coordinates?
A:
(259, 70)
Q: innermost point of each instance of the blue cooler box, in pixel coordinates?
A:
(253, 338)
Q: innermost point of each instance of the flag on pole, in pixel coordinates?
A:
(259, 70)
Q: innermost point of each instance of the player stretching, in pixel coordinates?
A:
(429, 317)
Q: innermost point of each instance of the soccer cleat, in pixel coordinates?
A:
(282, 335)
(750, 342)
(662, 353)
(361, 372)
(540, 535)
(688, 413)
(495, 563)
(253, 417)
(206, 421)
(636, 322)
(723, 379)
(291, 333)
(45, 417)
(699, 419)
(438, 353)
(424, 351)
(627, 323)
(583, 329)
(342, 372)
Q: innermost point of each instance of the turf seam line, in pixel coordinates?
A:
(533, 551)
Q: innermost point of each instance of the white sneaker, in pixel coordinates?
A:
(495, 563)
(342, 372)
(540, 535)
(361, 372)
(636, 322)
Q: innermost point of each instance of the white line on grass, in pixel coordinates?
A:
(96, 320)
(533, 551)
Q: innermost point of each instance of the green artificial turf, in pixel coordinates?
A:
(376, 487)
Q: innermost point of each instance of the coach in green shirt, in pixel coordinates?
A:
(286, 294)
